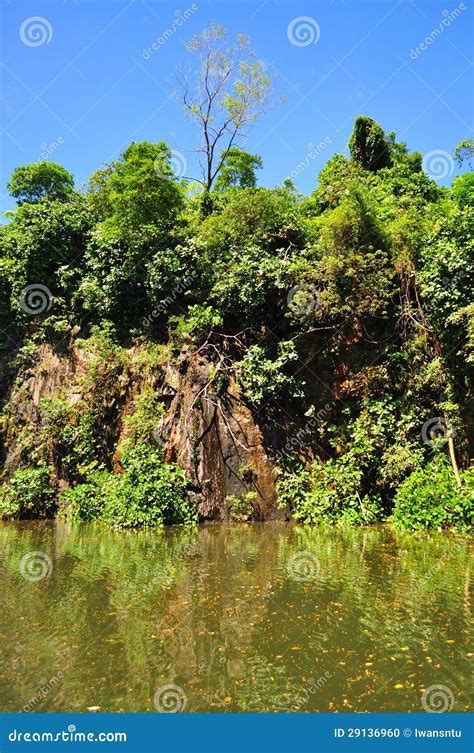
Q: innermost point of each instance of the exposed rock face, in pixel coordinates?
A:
(215, 438)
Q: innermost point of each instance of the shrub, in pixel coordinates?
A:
(263, 378)
(328, 493)
(148, 493)
(28, 492)
(241, 509)
(430, 498)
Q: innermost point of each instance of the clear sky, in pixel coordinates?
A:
(77, 86)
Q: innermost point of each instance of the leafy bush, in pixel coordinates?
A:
(147, 493)
(241, 509)
(328, 493)
(27, 493)
(430, 498)
(264, 378)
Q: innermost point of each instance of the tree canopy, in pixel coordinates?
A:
(40, 180)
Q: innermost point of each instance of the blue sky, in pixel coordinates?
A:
(88, 89)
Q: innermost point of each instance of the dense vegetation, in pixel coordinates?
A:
(357, 295)
(343, 317)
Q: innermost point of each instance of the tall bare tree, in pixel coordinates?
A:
(224, 96)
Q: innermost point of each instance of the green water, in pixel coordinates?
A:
(270, 617)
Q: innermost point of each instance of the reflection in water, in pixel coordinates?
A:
(268, 617)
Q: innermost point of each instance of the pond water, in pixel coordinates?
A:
(266, 617)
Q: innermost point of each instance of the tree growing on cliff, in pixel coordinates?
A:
(232, 89)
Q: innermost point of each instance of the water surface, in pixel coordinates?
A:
(268, 617)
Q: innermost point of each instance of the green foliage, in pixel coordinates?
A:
(430, 498)
(351, 486)
(140, 425)
(44, 245)
(463, 190)
(40, 180)
(368, 145)
(199, 321)
(28, 493)
(255, 216)
(138, 190)
(147, 493)
(138, 200)
(354, 261)
(464, 152)
(362, 289)
(241, 509)
(238, 169)
(328, 492)
(264, 378)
